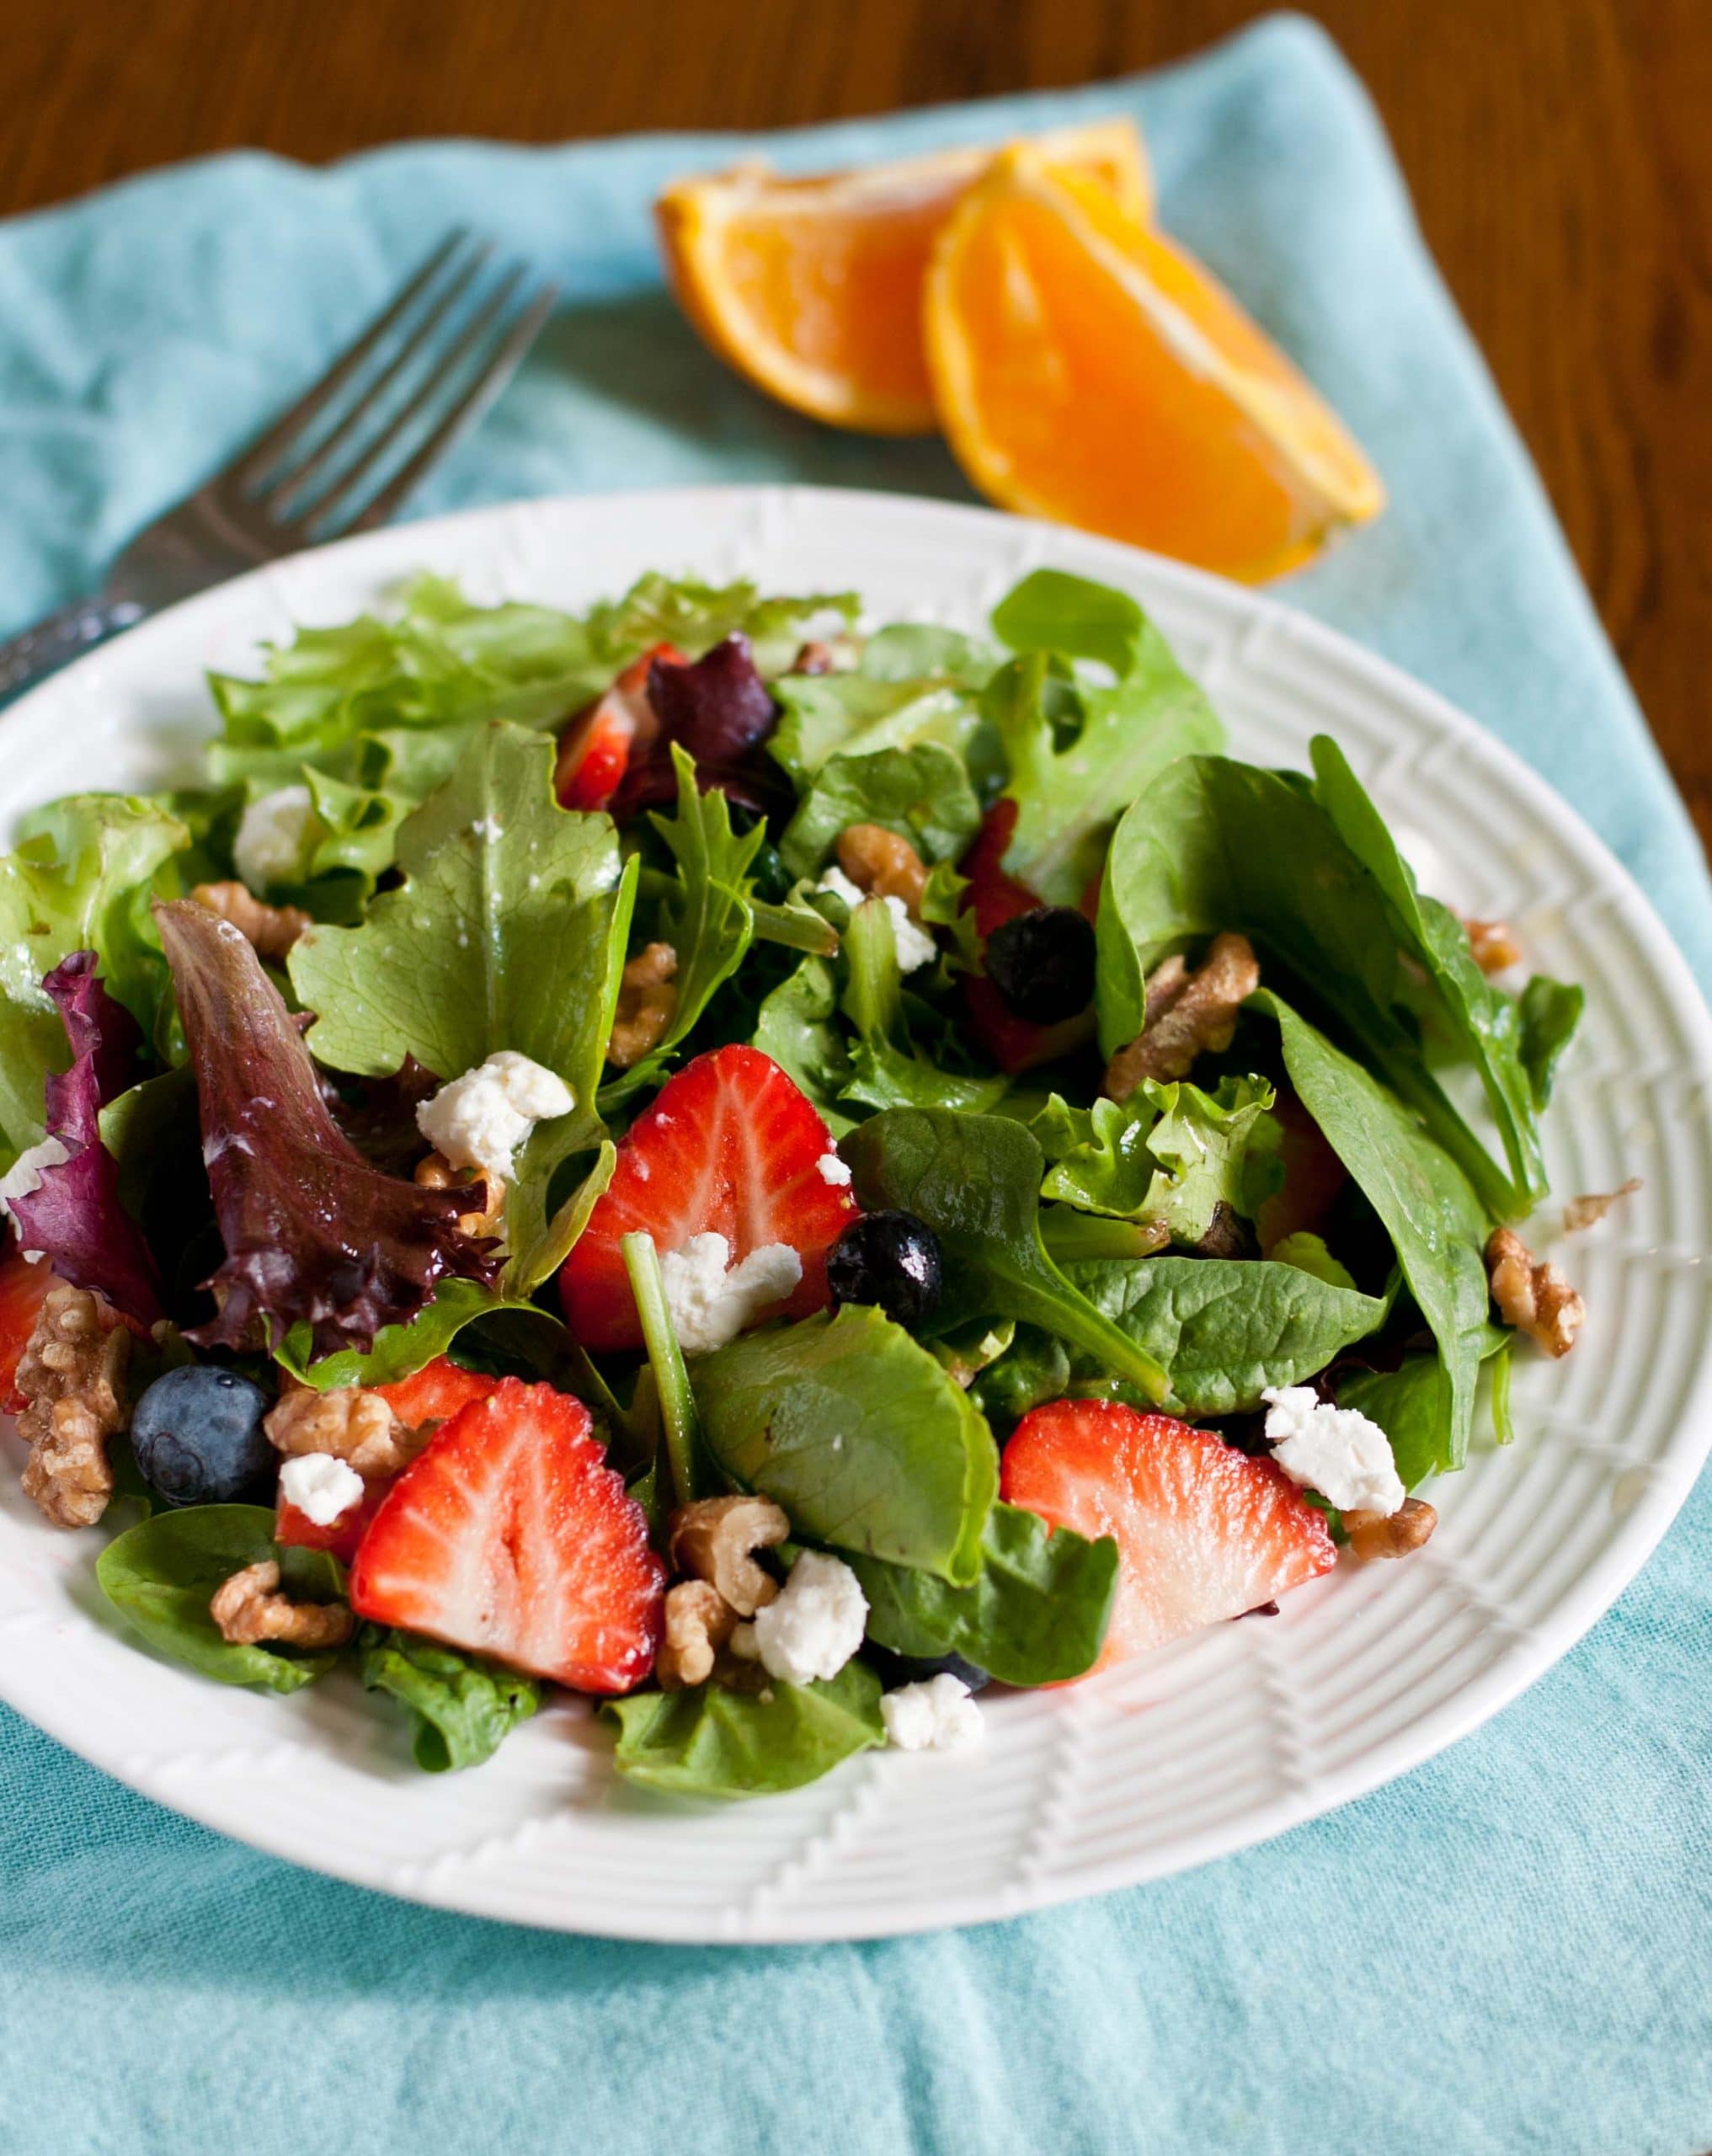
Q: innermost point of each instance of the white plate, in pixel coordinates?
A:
(1210, 1744)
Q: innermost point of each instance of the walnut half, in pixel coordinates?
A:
(1390, 1535)
(71, 1378)
(249, 1609)
(353, 1425)
(1187, 1014)
(647, 1001)
(882, 863)
(714, 1539)
(699, 1622)
(270, 930)
(1531, 1294)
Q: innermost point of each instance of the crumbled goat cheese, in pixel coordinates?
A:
(1335, 1450)
(939, 1715)
(269, 845)
(479, 1120)
(834, 1171)
(323, 1488)
(915, 944)
(817, 1623)
(711, 1300)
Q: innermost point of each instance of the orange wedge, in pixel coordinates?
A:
(1088, 370)
(812, 288)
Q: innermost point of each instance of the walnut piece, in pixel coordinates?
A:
(1586, 1211)
(715, 1539)
(1187, 1013)
(270, 930)
(71, 1378)
(1494, 945)
(880, 862)
(699, 1622)
(249, 1608)
(647, 1003)
(436, 1172)
(1531, 1294)
(1390, 1535)
(353, 1425)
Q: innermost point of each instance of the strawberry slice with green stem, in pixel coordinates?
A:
(510, 1537)
(730, 1146)
(1203, 1532)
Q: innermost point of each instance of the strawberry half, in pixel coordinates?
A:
(434, 1393)
(995, 897)
(23, 1291)
(1203, 1531)
(595, 749)
(509, 1536)
(731, 1145)
(342, 1536)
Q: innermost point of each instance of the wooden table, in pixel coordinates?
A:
(1559, 152)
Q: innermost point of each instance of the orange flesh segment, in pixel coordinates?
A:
(1090, 370)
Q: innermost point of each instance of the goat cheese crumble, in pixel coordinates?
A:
(816, 1623)
(834, 1171)
(271, 847)
(23, 1179)
(938, 1715)
(321, 1486)
(915, 944)
(1337, 1451)
(711, 1300)
(479, 1120)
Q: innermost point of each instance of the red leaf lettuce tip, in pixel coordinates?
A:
(73, 1215)
(313, 1232)
(719, 710)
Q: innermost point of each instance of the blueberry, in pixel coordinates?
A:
(897, 1669)
(197, 1437)
(891, 1259)
(1042, 962)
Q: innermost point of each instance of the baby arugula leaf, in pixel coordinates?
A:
(1426, 1203)
(1079, 754)
(1037, 1614)
(161, 1575)
(857, 1431)
(461, 1708)
(712, 1742)
(922, 792)
(975, 1180)
(1225, 1329)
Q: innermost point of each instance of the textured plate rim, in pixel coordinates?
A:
(1577, 1607)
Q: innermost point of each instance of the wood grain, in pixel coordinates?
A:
(1559, 152)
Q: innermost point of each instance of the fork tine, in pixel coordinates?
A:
(492, 373)
(292, 482)
(257, 455)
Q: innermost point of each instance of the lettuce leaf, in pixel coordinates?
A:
(313, 1231)
(1170, 1154)
(921, 793)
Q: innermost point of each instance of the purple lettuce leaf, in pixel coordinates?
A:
(314, 1233)
(73, 1216)
(720, 711)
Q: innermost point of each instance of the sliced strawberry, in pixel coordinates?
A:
(730, 1146)
(1203, 1531)
(509, 1536)
(1313, 1176)
(342, 1535)
(595, 749)
(22, 1290)
(995, 897)
(434, 1393)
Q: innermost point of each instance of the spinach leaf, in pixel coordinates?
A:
(461, 1708)
(1550, 1014)
(1226, 1329)
(856, 1430)
(1414, 1407)
(975, 1180)
(712, 1742)
(922, 793)
(161, 1575)
(1036, 1614)
(1310, 1254)
(1078, 754)
(1435, 1221)
(1036, 1368)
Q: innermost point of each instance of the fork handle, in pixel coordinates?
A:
(58, 638)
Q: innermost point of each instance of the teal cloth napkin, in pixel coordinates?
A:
(1509, 1949)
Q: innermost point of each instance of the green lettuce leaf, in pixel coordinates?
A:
(861, 1436)
(911, 685)
(401, 1350)
(461, 1708)
(888, 1070)
(923, 793)
(161, 1576)
(798, 1026)
(710, 1741)
(1037, 1614)
(1170, 1154)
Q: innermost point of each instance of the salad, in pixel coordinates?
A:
(773, 1175)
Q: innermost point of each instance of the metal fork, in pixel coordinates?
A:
(341, 460)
